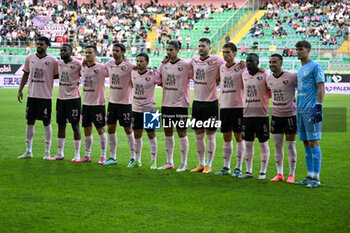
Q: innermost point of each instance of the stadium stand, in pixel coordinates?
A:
(148, 25)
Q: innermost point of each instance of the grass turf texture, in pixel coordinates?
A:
(59, 196)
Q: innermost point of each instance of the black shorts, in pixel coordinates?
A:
(68, 109)
(256, 127)
(287, 125)
(174, 116)
(94, 114)
(38, 109)
(137, 121)
(202, 111)
(120, 112)
(231, 119)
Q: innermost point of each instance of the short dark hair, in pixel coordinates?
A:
(175, 43)
(206, 40)
(44, 38)
(69, 46)
(121, 46)
(230, 45)
(91, 47)
(277, 55)
(145, 55)
(303, 43)
(254, 55)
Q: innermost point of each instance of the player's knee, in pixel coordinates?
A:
(168, 132)
(101, 130)
(128, 130)
(151, 134)
(181, 133)
(111, 129)
(313, 143)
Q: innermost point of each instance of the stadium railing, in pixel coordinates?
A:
(234, 23)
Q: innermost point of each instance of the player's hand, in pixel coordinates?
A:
(261, 69)
(242, 64)
(152, 69)
(20, 96)
(165, 60)
(317, 115)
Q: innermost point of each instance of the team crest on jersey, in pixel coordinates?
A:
(236, 69)
(32, 62)
(96, 70)
(72, 67)
(147, 79)
(165, 67)
(285, 82)
(180, 68)
(123, 68)
(259, 78)
(47, 63)
(210, 62)
(306, 73)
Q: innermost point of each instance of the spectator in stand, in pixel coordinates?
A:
(285, 52)
(290, 53)
(243, 50)
(188, 42)
(206, 30)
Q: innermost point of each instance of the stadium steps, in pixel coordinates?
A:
(345, 47)
(159, 19)
(152, 36)
(245, 29)
(239, 36)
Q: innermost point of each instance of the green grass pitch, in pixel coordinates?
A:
(45, 196)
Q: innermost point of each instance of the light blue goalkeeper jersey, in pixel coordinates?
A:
(308, 76)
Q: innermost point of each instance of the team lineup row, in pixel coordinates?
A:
(245, 91)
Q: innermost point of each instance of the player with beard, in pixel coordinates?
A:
(283, 85)
(40, 69)
(119, 102)
(68, 106)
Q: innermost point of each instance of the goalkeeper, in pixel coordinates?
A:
(309, 112)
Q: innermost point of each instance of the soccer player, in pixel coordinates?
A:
(119, 102)
(231, 109)
(205, 101)
(255, 115)
(68, 104)
(94, 111)
(144, 81)
(176, 75)
(309, 109)
(282, 85)
(40, 69)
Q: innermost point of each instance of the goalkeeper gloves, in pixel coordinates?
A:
(317, 115)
